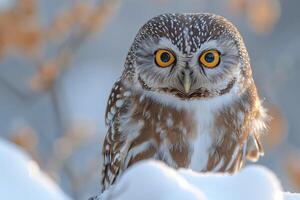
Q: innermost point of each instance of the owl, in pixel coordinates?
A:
(186, 97)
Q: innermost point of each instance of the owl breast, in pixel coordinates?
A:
(180, 135)
(165, 134)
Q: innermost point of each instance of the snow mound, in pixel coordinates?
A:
(21, 177)
(149, 180)
(291, 196)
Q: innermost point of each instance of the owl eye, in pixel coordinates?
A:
(164, 58)
(210, 58)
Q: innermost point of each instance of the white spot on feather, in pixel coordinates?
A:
(119, 103)
(110, 116)
(169, 122)
(127, 94)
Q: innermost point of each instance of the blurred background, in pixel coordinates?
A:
(59, 59)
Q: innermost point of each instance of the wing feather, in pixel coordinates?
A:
(114, 140)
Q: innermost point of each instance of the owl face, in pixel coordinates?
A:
(188, 55)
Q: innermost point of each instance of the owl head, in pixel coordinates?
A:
(189, 56)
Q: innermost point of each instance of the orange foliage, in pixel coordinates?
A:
(293, 169)
(262, 15)
(26, 138)
(277, 127)
(18, 28)
(21, 32)
(28, 36)
(65, 20)
(44, 79)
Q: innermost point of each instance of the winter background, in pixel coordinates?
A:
(58, 61)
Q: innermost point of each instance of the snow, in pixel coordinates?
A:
(149, 180)
(254, 182)
(291, 196)
(21, 178)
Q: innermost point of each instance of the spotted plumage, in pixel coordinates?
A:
(192, 113)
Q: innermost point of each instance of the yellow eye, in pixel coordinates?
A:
(164, 58)
(210, 58)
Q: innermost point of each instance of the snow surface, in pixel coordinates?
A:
(21, 177)
(149, 180)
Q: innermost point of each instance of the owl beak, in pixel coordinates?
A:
(187, 82)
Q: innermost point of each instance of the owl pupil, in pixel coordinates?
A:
(209, 57)
(165, 57)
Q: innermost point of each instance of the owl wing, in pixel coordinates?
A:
(114, 145)
(251, 150)
(254, 147)
(254, 143)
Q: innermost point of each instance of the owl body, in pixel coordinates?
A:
(176, 104)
